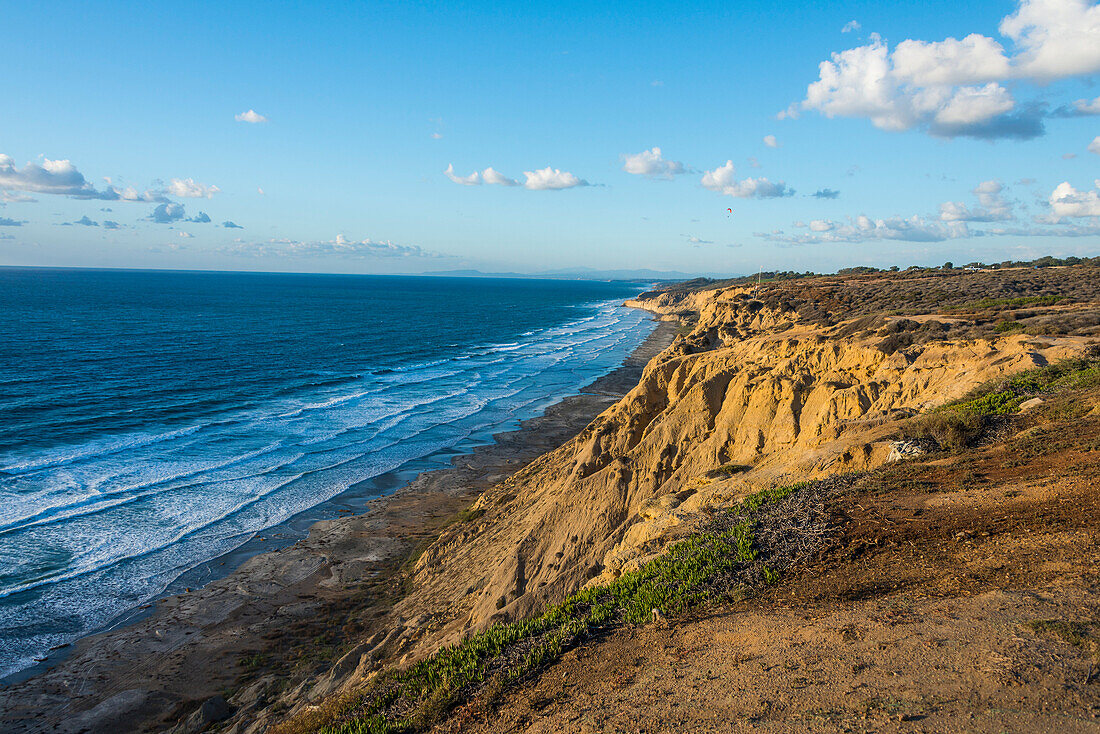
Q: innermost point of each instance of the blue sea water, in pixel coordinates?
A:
(151, 421)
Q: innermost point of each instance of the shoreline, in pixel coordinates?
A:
(208, 641)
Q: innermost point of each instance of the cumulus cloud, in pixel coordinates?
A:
(250, 116)
(1056, 38)
(915, 229)
(474, 179)
(200, 218)
(852, 25)
(85, 221)
(58, 177)
(650, 163)
(956, 87)
(167, 213)
(550, 179)
(1094, 146)
(770, 141)
(544, 179)
(61, 178)
(696, 241)
(7, 222)
(339, 247)
(1066, 201)
(724, 181)
(15, 197)
(492, 176)
(109, 224)
(188, 188)
(863, 229)
(992, 206)
(231, 225)
(1080, 108)
(825, 194)
(1068, 206)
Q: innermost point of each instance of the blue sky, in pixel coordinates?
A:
(937, 149)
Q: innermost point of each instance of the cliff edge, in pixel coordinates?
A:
(768, 385)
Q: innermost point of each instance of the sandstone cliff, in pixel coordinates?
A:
(752, 393)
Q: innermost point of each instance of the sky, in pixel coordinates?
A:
(378, 137)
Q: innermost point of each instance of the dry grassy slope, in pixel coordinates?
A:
(750, 385)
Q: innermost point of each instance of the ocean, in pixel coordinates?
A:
(151, 421)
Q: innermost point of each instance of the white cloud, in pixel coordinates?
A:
(770, 141)
(250, 116)
(339, 247)
(168, 213)
(973, 105)
(992, 207)
(185, 235)
(492, 176)
(957, 87)
(1066, 201)
(61, 178)
(190, 189)
(864, 229)
(650, 163)
(474, 179)
(437, 136)
(1081, 108)
(548, 179)
(955, 220)
(1094, 146)
(58, 177)
(724, 181)
(543, 179)
(852, 25)
(975, 59)
(1056, 38)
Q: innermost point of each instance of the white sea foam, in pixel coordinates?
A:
(113, 522)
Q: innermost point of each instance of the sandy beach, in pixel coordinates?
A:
(291, 611)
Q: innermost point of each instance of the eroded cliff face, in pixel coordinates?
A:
(749, 397)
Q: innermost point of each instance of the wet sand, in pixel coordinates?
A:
(291, 611)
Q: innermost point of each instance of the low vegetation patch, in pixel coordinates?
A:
(1079, 634)
(959, 424)
(738, 550)
(987, 304)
